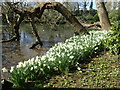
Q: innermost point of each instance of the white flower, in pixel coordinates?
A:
(56, 68)
(17, 66)
(48, 67)
(35, 67)
(43, 57)
(25, 63)
(12, 68)
(41, 69)
(78, 68)
(59, 62)
(44, 65)
(71, 57)
(51, 59)
(39, 63)
(68, 54)
(37, 59)
(31, 68)
(96, 48)
(20, 64)
(31, 62)
(4, 69)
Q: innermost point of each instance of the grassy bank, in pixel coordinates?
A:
(61, 58)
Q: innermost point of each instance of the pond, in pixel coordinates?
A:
(16, 51)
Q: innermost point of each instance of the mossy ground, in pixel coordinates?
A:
(101, 72)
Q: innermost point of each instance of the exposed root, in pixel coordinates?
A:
(14, 38)
(35, 44)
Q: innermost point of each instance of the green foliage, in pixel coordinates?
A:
(101, 72)
(95, 17)
(52, 16)
(113, 15)
(112, 43)
(89, 18)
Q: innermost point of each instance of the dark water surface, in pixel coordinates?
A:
(14, 52)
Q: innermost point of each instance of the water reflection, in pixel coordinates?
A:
(14, 52)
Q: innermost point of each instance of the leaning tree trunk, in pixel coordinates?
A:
(103, 15)
(67, 14)
(70, 17)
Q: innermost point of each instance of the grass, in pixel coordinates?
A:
(101, 72)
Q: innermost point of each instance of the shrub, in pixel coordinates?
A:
(95, 17)
(112, 43)
(60, 58)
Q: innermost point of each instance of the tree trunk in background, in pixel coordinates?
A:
(91, 5)
(119, 10)
(103, 15)
(85, 4)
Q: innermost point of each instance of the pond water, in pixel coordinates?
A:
(14, 52)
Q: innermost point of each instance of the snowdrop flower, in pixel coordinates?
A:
(4, 69)
(51, 59)
(31, 68)
(59, 62)
(35, 67)
(56, 68)
(25, 63)
(20, 64)
(39, 63)
(41, 69)
(31, 62)
(36, 59)
(78, 68)
(68, 54)
(43, 58)
(71, 57)
(96, 48)
(17, 66)
(44, 65)
(12, 68)
(48, 67)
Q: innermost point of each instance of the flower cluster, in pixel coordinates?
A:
(61, 57)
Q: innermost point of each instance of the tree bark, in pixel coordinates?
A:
(91, 5)
(103, 15)
(84, 6)
(68, 15)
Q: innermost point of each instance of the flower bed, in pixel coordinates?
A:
(60, 58)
